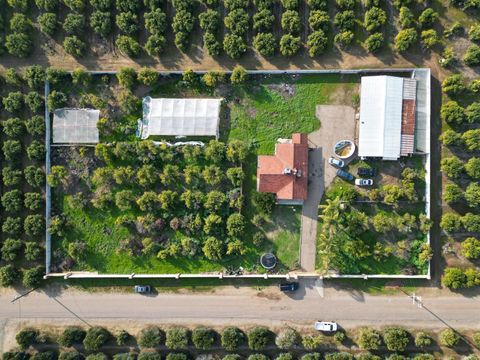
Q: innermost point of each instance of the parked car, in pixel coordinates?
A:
(326, 326)
(288, 286)
(364, 182)
(367, 172)
(336, 162)
(143, 289)
(345, 175)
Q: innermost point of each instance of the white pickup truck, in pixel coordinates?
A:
(326, 326)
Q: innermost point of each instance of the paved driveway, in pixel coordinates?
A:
(337, 123)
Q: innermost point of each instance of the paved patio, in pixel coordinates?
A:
(337, 123)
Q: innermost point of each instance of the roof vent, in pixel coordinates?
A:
(287, 171)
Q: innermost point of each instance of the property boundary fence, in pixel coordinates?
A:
(48, 189)
(423, 75)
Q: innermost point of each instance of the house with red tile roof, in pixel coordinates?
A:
(286, 172)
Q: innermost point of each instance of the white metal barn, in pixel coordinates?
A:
(180, 117)
(75, 126)
(387, 117)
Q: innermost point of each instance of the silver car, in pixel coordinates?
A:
(363, 182)
(326, 326)
(336, 162)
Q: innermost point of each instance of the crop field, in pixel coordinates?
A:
(111, 224)
(379, 229)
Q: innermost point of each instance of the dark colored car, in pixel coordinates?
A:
(288, 286)
(345, 175)
(366, 172)
(143, 289)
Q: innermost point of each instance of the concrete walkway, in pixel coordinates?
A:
(337, 123)
(308, 236)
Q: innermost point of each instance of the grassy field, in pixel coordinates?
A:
(265, 109)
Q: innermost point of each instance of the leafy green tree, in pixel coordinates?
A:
(128, 5)
(235, 4)
(36, 150)
(57, 176)
(452, 166)
(258, 338)
(374, 42)
(177, 338)
(317, 42)
(235, 224)
(203, 338)
(72, 335)
(56, 99)
(26, 338)
(232, 337)
(317, 4)
(405, 39)
(472, 194)
(396, 339)
(13, 127)
(257, 357)
(101, 23)
(472, 112)
(427, 18)
(35, 125)
(472, 56)
(34, 101)
(263, 20)
(235, 175)
(345, 20)
(11, 225)
(33, 201)
(156, 22)
(471, 222)
(150, 337)
(369, 339)
(127, 77)
(213, 175)
(289, 45)
(32, 278)
(450, 222)
(74, 24)
(48, 23)
(213, 248)
(75, 5)
(310, 342)
(101, 5)
(122, 338)
(471, 138)
(13, 102)
(210, 20)
(375, 18)
(47, 5)
(471, 248)
(19, 44)
(34, 225)
(239, 75)
(472, 167)
(339, 356)
(33, 251)
(95, 338)
(8, 276)
(155, 44)
(287, 338)
(450, 137)
(213, 78)
(429, 38)
(148, 201)
(147, 355)
(11, 176)
(176, 356)
(234, 46)
(291, 22)
(454, 85)
(147, 76)
(449, 338)
(128, 45)
(10, 249)
(476, 338)
(182, 26)
(406, 17)
(127, 22)
(452, 193)
(452, 112)
(319, 20)
(35, 76)
(422, 339)
(12, 201)
(11, 149)
(124, 199)
(344, 38)
(265, 44)
(289, 4)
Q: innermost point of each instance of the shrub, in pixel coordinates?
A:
(374, 19)
(36, 150)
(450, 137)
(33, 201)
(452, 166)
(287, 338)
(144, 355)
(345, 20)
(18, 44)
(453, 278)
(127, 77)
(8, 276)
(471, 222)
(95, 338)
(13, 127)
(340, 336)
(48, 23)
(472, 112)
(289, 45)
(369, 339)
(213, 78)
(450, 222)
(71, 335)
(257, 357)
(312, 342)
(258, 338)
(74, 46)
(422, 339)
(452, 193)
(476, 338)
(471, 138)
(429, 38)
(26, 337)
(232, 338)
(319, 20)
(101, 23)
(472, 195)
(449, 337)
(34, 224)
(472, 56)
(263, 20)
(344, 38)
(74, 24)
(451, 112)
(128, 45)
(156, 22)
(405, 39)
(395, 339)
(13, 102)
(239, 75)
(203, 338)
(155, 45)
(427, 18)
(35, 76)
(11, 148)
(177, 338)
(471, 248)
(291, 22)
(35, 125)
(127, 22)
(317, 42)
(311, 356)
(265, 44)
(32, 278)
(234, 46)
(454, 85)
(210, 20)
(374, 42)
(56, 99)
(406, 17)
(472, 167)
(176, 356)
(34, 101)
(33, 251)
(289, 4)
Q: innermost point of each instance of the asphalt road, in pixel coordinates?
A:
(245, 305)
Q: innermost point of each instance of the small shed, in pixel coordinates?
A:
(180, 117)
(75, 126)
